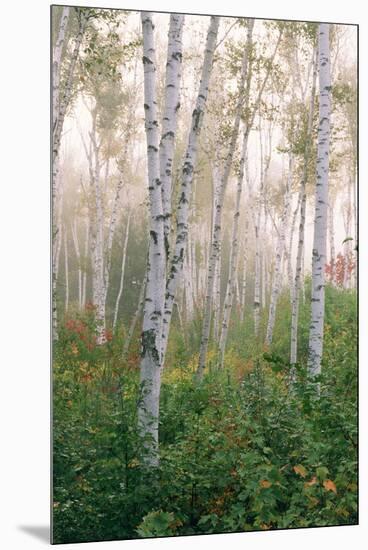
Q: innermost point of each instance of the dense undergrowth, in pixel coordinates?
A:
(244, 450)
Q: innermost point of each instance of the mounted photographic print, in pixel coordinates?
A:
(204, 274)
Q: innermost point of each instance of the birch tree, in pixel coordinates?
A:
(148, 410)
(230, 288)
(169, 118)
(298, 283)
(120, 292)
(276, 283)
(216, 236)
(176, 264)
(321, 206)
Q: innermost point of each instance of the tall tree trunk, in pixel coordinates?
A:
(56, 248)
(118, 298)
(148, 409)
(63, 98)
(176, 264)
(85, 258)
(169, 119)
(217, 282)
(66, 268)
(230, 289)
(299, 269)
(56, 63)
(216, 236)
(331, 234)
(276, 282)
(60, 102)
(98, 281)
(77, 254)
(321, 205)
(135, 316)
(290, 247)
(243, 286)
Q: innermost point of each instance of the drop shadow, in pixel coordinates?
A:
(40, 532)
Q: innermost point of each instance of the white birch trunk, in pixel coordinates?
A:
(62, 100)
(176, 264)
(299, 269)
(150, 373)
(321, 205)
(276, 282)
(98, 281)
(169, 119)
(77, 254)
(331, 233)
(56, 62)
(230, 289)
(118, 298)
(135, 317)
(85, 257)
(243, 286)
(66, 268)
(216, 236)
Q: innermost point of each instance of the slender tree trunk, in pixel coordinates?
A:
(56, 248)
(244, 271)
(169, 119)
(117, 304)
(98, 281)
(135, 317)
(77, 254)
(63, 100)
(290, 247)
(176, 264)
(66, 268)
(56, 62)
(321, 205)
(85, 258)
(230, 289)
(276, 283)
(216, 237)
(148, 409)
(217, 282)
(299, 269)
(331, 234)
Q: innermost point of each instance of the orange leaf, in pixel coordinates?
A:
(299, 469)
(313, 481)
(330, 486)
(265, 484)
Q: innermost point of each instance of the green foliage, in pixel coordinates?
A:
(157, 524)
(250, 448)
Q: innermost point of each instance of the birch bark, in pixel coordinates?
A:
(135, 317)
(169, 119)
(331, 234)
(230, 289)
(66, 269)
(321, 205)
(120, 292)
(85, 257)
(243, 286)
(216, 236)
(299, 269)
(56, 63)
(276, 283)
(148, 409)
(176, 264)
(77, 254)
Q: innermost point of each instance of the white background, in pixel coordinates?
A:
(24, 274)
